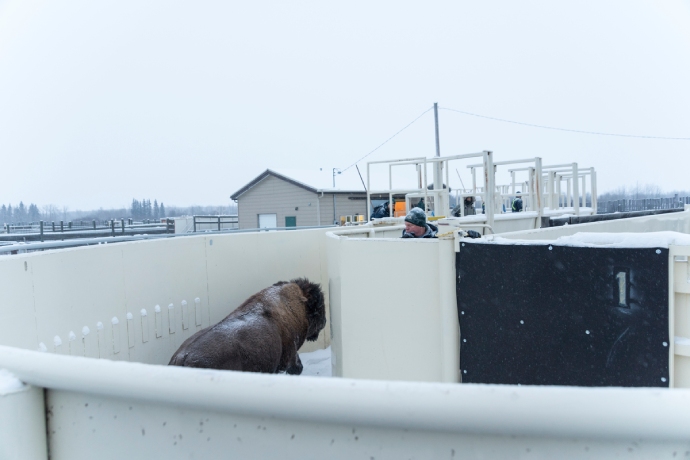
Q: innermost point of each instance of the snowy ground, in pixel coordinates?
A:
(317, 363)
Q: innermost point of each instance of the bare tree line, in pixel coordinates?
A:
(19, 213)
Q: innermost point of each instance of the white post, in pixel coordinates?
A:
(474, 180)
(539, 202)
(512, 175)
(446, 193)
(584, 191)
(551, 192)
(576, 191)
(593, 187)
(489, 187)
(439, 207)
(532, 187)
(568, 193)
(558, 188)
(318, 208)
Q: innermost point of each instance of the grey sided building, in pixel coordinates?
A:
(273, 200)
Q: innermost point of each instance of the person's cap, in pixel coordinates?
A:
(416, 217)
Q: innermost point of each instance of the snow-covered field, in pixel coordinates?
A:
(317, 363)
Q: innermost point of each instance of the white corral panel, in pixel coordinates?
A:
(130, 410)
(17, 315)
(163, 273)
(391, 317)
(22, 423)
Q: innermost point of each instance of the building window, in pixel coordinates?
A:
(290, 221)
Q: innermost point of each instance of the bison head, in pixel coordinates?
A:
(315, 307)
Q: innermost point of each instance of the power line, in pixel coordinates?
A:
(565, 129)
(386, 141)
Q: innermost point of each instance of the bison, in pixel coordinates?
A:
(261, 335)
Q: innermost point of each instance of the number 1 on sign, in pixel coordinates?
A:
(622, 289)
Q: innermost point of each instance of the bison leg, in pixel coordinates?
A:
(295, 367)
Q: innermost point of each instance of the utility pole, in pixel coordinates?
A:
(438, 147)
(440, 203)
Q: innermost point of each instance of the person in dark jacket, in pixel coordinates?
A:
(416, 226)
(381, 211)
(468, 203)
(517, 203)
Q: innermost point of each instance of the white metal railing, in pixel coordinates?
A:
(533, 182)
(440, 205)
(541, 189)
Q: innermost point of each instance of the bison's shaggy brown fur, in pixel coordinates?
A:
(261, 335)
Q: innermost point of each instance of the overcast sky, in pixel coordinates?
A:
(186, 102)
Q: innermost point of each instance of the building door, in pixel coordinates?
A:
(291, 221)
(267, 221)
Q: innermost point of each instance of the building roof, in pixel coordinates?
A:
(312, 180)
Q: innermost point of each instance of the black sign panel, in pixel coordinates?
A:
(555, 315)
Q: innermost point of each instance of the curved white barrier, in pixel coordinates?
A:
(113, 399)
(113, 301)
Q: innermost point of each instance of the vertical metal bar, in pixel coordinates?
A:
(185, 315)
(100, 334)
(426, 190)
(94, 224)
(531, 186)
(549, 191)
(53, 223)
(559, 179)
(130, 330)
(41, 231)
(576, 191)
(86, 345)
(159, 320)
(122, 222)
(438, 172)
(438, 147)
(115, 323)
(171, 318)
(368, 197)
(489, 187)
(194, 219)
(593, 189)
(537, 188)
(197, 311)
(144, 326)
(112, 227)
(218, 223)
(62, 227)
(446, 195)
